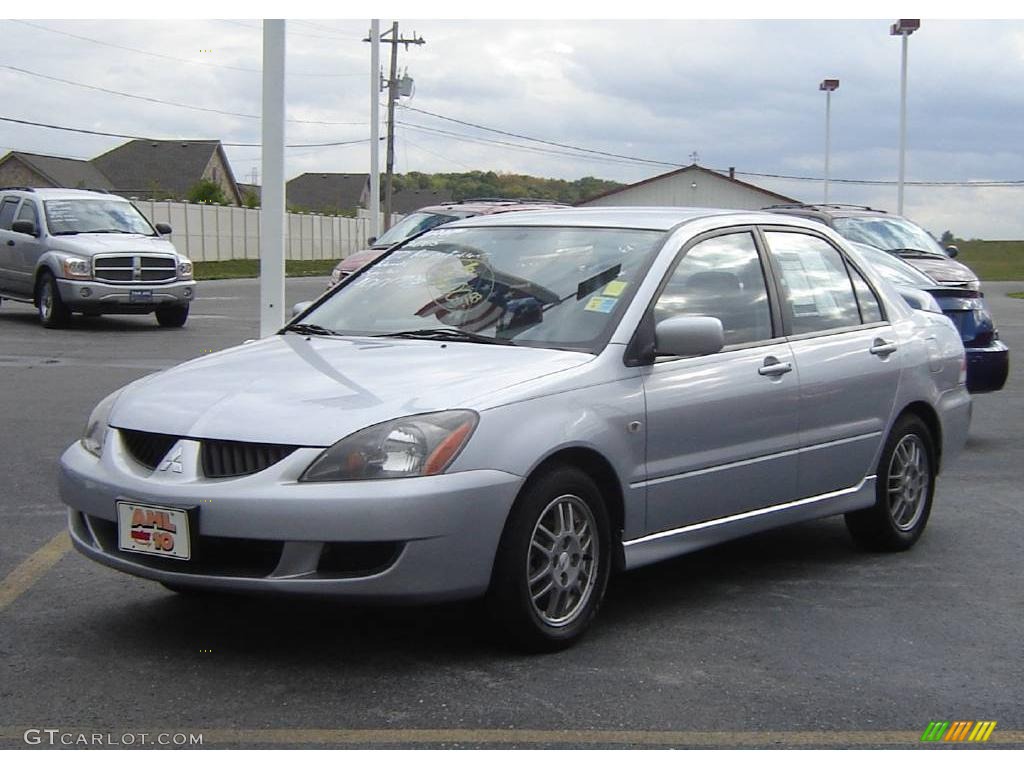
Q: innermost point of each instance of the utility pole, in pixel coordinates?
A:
(394, 42)
(374, 201)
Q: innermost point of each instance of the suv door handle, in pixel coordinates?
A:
(773, 367)
(881, 347)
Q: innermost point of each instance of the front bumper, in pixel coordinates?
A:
(106, 298)
(987, 367)
(407, 540)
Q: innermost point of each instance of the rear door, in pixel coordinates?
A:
(847, 356)
(8, 257)
(27, 250)
(722, 429)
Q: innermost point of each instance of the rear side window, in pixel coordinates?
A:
(817, 291)
(7, 209)
(870, 310)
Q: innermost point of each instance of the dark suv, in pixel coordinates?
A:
(427, 218)
(894, 234)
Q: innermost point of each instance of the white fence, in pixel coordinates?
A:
(221, 232)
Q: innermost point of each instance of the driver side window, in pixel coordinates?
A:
(721, 277)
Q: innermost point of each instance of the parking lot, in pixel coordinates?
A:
(789, 638)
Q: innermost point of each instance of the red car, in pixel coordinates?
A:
(427, 218)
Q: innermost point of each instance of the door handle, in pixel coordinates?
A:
(773, 367)
(881, 347)
(10, 242)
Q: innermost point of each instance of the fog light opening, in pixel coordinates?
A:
(85, 292)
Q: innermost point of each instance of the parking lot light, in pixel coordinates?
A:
(903, 28)
(828, 86)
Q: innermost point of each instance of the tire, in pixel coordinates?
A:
(549, 576)
(52, 311)
(172, 317)
(904, 490)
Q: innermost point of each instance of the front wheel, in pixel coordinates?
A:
(172, 317)
(53, 313)
(553, 562)
(904, 491)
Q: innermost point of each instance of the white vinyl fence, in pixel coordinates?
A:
(221, 232)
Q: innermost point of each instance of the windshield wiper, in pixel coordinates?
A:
(916, 252)
(445, 334)
(67, 232)
(107, 232)
(311, 329)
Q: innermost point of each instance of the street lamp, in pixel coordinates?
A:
(828, 86)
(903, 28)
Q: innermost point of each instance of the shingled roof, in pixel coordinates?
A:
(62, 171)
(409, 200)
(328, 192)
(170, 168)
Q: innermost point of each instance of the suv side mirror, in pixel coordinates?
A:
(163, 229)
(688, 335)
(25, 228)
(952, 251)
(371, 240)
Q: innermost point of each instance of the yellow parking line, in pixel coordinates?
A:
(30, 571)
(510, 736)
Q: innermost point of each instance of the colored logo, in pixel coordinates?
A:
(959, 730)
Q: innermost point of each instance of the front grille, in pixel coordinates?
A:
(226, 458)
(147, 448)
(135, 269)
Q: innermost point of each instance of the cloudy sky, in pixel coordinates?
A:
(737, 93)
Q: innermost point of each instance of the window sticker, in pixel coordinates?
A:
(602, 304)
(615, 288)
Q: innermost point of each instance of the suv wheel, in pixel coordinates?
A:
(172, 317)
(903, 496)
(552, 566)
(52, 311)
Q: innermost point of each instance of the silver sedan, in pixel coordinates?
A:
(518, 406)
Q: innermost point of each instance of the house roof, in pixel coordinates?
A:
(409, 200)
(245, 189)
(327, 191)
(63, 171)
(169, 167)
(693, 167)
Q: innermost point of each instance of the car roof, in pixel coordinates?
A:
(58, 193)
(832, 211)
(623, 217)
(485, 207)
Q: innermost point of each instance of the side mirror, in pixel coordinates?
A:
(163, 229)
(299, 308)
(952, 251)
(25, 228)
(688, 336)
(371, 240)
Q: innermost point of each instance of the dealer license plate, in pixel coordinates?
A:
(161, 531)
(140, 296)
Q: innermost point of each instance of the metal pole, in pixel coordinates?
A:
(273, 227)
(828, 137)
(392, 98)
(375, 128)
(903, 126)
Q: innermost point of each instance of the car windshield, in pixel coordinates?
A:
(558, 287)
(66, 217)
(893, 269)
(411, 225)
(887, 234)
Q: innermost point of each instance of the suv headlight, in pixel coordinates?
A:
(96, 428)
(411, 446)
(185, 268)
(76, 268)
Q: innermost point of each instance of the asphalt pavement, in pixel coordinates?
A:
(788, 638)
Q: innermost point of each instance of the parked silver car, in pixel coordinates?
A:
(75, 250)
(516, 406)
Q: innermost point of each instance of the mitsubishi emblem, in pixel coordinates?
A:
(172, 461)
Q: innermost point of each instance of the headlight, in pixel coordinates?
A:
(412, 446)
(99, 422)
(77, 269)
(185, 268)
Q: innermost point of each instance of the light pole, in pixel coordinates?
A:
(828, 86)
(903, 28)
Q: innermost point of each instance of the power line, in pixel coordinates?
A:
(160, 101)
(172, 58)
(150, 138)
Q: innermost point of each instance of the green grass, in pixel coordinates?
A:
(1016, 295)
(993, 259)
(221, 270)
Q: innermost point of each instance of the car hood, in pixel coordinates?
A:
(110, 242)
(942, 269)
(313, 391)
(357, 260)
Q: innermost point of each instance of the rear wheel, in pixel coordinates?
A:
(172, 317)
(52, 311)
(904, 490)
(553, 562)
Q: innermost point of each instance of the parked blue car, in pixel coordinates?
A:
(988, 359)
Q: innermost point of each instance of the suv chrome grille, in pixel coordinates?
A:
(227, 458)
(134, 268)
